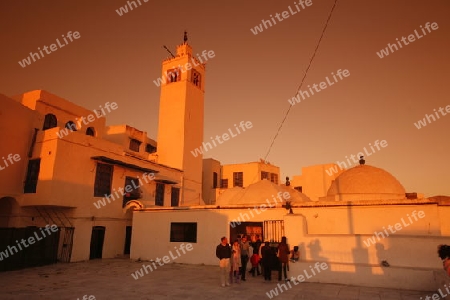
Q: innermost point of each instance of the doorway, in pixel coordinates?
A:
(251, 229)
(97, 239)
(127, 240)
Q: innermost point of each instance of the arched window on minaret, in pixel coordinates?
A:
(196, 78)
(173, 75)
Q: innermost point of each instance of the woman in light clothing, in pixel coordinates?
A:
(235, 261)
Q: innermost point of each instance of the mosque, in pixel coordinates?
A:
(112, 191)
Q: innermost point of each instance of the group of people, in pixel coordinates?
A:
(233, 259)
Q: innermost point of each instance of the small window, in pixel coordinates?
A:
(159, 197)
(274, 178)
(135, 145)
(175, 197)
(214, 180)
(103, 178)
(150, 149)
(265, 175)
(49, 121)
(173, 75)
(299, 188)
(224, 183)
(71, 126)
(238, 179)
(196, 78)
(183, 232)
(90, 131)
(32, 176)
(131, 189)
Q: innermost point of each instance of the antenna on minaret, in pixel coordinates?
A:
(169, 51)
(185, 37)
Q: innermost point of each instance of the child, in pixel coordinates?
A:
(295, 255)
(255, 262)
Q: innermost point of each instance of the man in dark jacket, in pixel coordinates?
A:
(223, 253)
(268, 260)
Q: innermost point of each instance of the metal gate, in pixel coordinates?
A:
(65, 245)
(273, 230)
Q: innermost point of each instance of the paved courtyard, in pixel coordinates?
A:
(111, 279)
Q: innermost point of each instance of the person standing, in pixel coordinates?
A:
(256, 249)
(267, 257)
(245, 251)
(444, 254)
(283, 256)
(223, 253)
(235, 261)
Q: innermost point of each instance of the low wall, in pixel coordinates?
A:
(346, 238)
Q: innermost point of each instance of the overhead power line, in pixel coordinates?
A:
(303, 79)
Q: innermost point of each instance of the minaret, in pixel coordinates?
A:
(180, 128)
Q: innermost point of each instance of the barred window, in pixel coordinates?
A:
(175, 197)
(135, 145)
(224, 183)
(274, 178)
(265, 175)
(183, 232)
(103, 178)
(238, 179)
(159, 197)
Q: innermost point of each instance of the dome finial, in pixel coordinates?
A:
(361, 160)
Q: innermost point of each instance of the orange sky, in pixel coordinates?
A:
(252, 76)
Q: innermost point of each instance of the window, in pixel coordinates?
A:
(238, 179)
(90, 131)
(214, 180)
(150, 149)
(71, 126)
(132, 191)
(196, 78)
(183, 232)
(299, 188)
(274, 178)
(159, 197)
(224, 183)
(134, 145)
(103, 178)
(175, 197)
(49, 121)
(32, 176)
(265, 175)
(173, 75)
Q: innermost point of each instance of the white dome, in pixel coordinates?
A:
(258, 193)
(366, 183)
